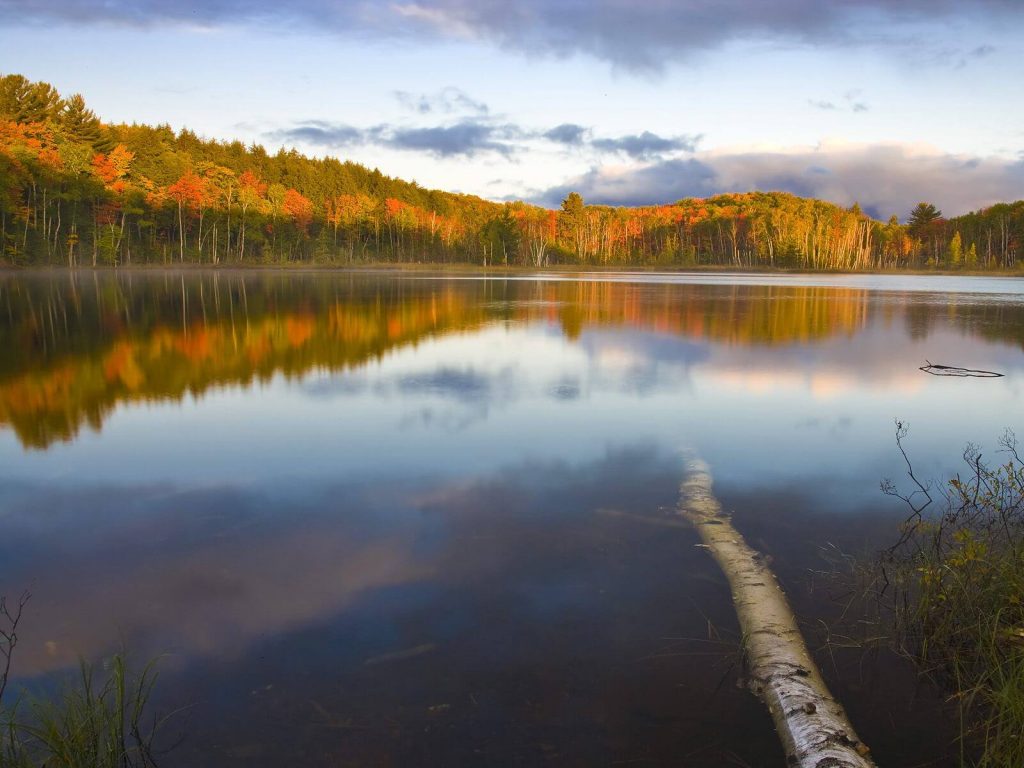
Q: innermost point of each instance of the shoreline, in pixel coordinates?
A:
(497, 270)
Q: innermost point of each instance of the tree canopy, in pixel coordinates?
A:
(77, 191)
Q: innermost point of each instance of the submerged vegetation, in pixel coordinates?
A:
(92, 723)
(954, 589)
(76, 191)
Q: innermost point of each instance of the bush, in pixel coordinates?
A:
(955, 591)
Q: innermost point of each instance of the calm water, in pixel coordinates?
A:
(392, 520)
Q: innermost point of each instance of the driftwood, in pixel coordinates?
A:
(812, 725)
(951, 370)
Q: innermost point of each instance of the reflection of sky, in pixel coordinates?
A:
(979, 288)
(474, 402)
(460, 499)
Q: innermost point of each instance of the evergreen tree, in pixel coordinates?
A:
(80, 125)
(26, 102)
(922, 217)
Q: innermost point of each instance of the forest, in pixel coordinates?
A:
(76, 191)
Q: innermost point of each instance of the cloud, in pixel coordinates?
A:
(477, 135)
(641, 35)
(566, 133)
(884, 179)
(446, 101)
(850, 99)
(465, 138)
(323, 133)
(647, 145)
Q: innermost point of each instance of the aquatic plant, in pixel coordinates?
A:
(96, 722)
(953, 589)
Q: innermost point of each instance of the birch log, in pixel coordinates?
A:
(812, 725)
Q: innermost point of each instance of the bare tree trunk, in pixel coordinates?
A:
(181, 235)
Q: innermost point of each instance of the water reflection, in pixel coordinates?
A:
(72, 349)
(389, 520)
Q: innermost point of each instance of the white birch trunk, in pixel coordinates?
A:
(812, 725)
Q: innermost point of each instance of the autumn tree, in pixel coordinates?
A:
(251, 190)
(189, 193)
(955, 252)
(66, 178)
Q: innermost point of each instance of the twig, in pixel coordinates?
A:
(951, 370)
(9, 635)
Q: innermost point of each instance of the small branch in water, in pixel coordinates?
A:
(909, 527)
(408, 653)
(665, 522)
(11, 615)
(951, 370)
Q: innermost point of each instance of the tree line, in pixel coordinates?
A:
(77, 191)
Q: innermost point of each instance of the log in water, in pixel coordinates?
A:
(812, 725)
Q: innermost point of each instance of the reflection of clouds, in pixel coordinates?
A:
(820, 384)
(450, 420)
(464, 379)
(210, 573)
(203, 572)
(334, 385)
(460, 384)
(566, 389)
(834, 426)
(216, 599)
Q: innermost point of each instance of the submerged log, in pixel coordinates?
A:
(812, 725)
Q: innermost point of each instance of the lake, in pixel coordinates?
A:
(404, 519)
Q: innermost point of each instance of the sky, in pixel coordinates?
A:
(885, 103)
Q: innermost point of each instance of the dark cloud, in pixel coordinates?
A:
(883, 179)
(636, 35)
(640, 146)
(661, 182)
(323, 134)
(647, 145)
(472, 136)
(566, 133)
(825, 105)
(465, 138)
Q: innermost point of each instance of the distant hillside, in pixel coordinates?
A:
(77, 191)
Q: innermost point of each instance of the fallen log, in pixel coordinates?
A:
(813, 727)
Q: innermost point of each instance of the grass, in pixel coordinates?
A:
(96, 721)
(954, 594)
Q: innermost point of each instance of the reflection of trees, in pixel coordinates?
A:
(73, 348)
(161, 340)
